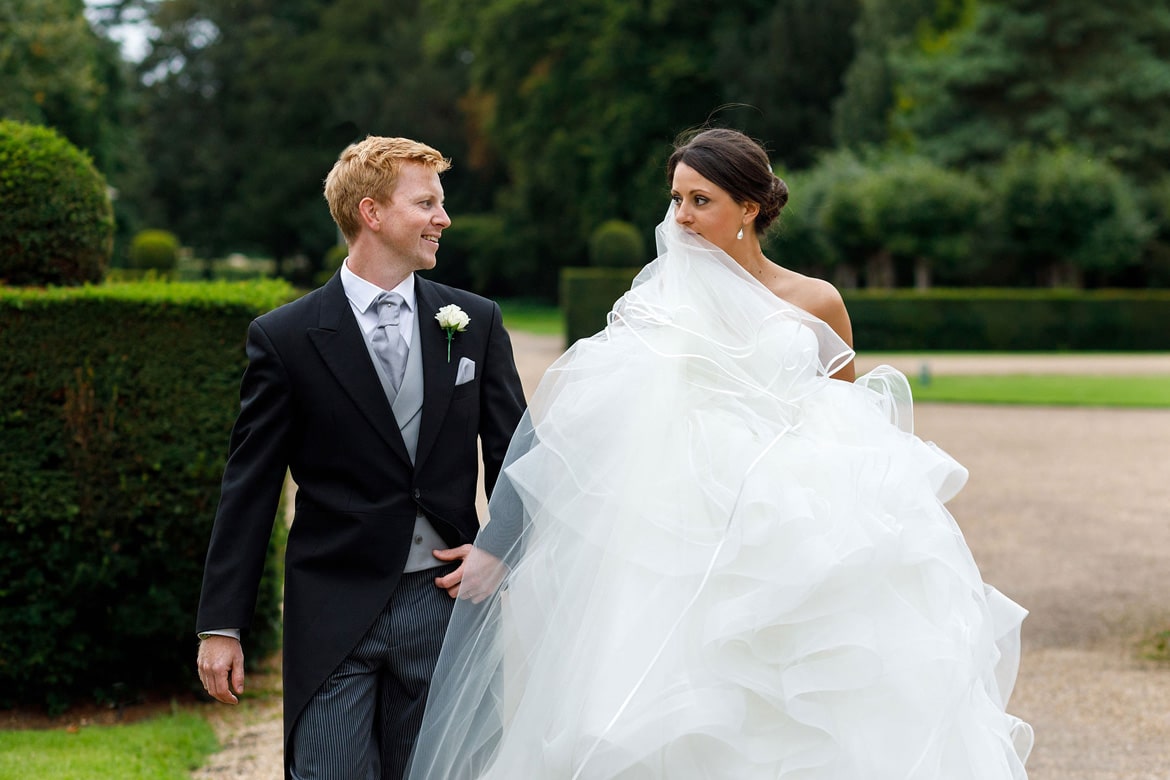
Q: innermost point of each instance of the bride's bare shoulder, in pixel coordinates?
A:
(822, 300)
(816, 296)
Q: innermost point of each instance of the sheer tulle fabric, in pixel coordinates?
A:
(718, 563)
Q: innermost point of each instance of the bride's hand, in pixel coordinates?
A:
(483, 574)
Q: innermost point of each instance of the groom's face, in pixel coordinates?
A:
(414, 217)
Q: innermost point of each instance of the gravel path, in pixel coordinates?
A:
(1067, 512)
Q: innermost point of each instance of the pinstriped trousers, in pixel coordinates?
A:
(362, 722)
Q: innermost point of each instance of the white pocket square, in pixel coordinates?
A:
(466, 371)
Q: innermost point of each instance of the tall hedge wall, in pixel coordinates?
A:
(942, 319)
(588, 294)
(1010, 320)
(116, 403)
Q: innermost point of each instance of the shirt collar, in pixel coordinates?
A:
(362, 293)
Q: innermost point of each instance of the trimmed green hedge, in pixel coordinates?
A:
(1010, 320)
(115, 409)
(588, 294)
(941, 319)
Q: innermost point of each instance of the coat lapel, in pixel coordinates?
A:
(438, 372)
(341, 345)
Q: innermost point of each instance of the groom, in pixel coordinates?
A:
(376, 408)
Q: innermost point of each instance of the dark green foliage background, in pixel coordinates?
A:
(115, 409)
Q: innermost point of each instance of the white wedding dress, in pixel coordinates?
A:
(723, 564)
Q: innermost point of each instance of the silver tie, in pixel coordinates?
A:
(388, 343)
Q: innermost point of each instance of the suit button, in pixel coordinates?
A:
(417, 493)
(418, 539)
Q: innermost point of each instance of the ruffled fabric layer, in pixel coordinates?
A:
(706, 559)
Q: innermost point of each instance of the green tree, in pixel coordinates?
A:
(580, 102)
(222, 113)
(1063, 215)
(884, 28)
(797, 239)
(249, 104)
(1075, 73)
(840, 180)
(59, 72)
(1156, 256)
(782, 71)
(926, 217)
(51, 70)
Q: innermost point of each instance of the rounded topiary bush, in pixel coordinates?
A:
(155, 250)
(56, 219)
(616, 244)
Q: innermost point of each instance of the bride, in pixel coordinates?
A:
(709, 558)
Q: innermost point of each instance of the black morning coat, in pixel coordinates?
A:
(311, 401)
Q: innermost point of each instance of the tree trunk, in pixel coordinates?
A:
(879, 271)
(845, 277)
(1065, 275)
(921, 273)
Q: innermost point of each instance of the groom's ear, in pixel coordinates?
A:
(368, 211)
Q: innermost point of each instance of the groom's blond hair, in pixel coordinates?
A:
(369, 169)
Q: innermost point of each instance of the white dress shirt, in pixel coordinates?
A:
(362, 294)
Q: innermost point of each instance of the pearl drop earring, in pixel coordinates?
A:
(739, 235)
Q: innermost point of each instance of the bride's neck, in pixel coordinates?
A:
(752, 260)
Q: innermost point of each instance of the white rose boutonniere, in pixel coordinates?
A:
(453, 320)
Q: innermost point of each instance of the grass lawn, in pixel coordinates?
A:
(1121, 391)
(540, 318)
(162, 748)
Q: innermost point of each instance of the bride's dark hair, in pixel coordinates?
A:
(735, 163)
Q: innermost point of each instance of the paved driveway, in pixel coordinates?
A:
(1068, 512)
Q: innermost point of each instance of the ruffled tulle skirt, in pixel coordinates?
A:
(717, 573)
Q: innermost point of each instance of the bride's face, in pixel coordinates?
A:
(702, 207)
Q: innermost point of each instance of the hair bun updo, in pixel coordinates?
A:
(772, 204)
(738, 165)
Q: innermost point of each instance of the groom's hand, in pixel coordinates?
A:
(221, 667)
(478, 576)
(451, 582)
